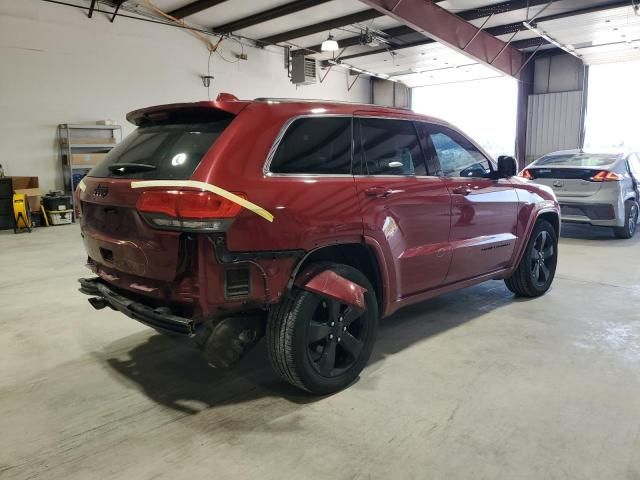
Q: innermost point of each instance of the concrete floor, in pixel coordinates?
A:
(474, 384)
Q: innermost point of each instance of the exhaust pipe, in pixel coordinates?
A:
(98, 302)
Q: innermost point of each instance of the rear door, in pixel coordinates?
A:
(168, 148)
(405, 208)
(483, 217)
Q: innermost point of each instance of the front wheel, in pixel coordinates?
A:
(319, 344)
(536, 270)
(630, 221)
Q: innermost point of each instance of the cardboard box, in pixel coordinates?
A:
(87, 160)
(20, 183)
(60, 218)
(33, 197)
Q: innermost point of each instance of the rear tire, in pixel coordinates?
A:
(630, 221)
(537, 268)
(310, 353)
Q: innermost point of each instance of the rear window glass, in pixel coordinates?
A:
(577, 160)
(166, 151)
(315, 145)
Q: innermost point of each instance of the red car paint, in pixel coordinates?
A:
(429, 235)
(335, 286)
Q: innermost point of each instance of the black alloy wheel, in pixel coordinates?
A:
(335, 336)
(541, 257)
(537, 268)
(321, 344)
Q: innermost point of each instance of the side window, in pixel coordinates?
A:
(634, 165)
(458, 156)
(391, 147)
(320, 145)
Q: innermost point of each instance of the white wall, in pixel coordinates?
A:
(58, 66)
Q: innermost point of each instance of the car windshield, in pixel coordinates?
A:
(577, 160)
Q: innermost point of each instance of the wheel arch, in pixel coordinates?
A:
(550, 216)
(357, 255)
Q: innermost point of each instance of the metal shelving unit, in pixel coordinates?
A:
(70, 138)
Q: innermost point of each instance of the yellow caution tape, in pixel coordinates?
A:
(209, 188)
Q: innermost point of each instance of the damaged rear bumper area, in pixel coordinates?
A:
(158, 318)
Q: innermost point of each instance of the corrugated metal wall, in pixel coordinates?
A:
(553, 123)
(555, 109)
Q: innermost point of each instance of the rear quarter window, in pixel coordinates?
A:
(167, 151)
(319, 145)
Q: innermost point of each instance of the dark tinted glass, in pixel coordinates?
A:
(391, 147)
(576, 160)
(172, 150)
(458, 157)
(315, 145)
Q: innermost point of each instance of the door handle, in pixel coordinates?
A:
(380, 192)
(462, 190)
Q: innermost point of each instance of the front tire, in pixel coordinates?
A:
(630, 221)
(319, 344)
(536, 270)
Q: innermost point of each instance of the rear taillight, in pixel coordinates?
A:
(526, 174)
(188, 210)
(606, 176)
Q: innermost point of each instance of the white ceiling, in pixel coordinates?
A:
(435, 63)
(601, 37)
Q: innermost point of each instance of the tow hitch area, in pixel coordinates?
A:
(225, 343)
(158, 318)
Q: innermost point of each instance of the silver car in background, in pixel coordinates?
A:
(601, 189)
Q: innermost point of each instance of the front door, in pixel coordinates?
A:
(404, 209)
(484, 208)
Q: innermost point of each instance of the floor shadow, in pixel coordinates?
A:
(172, 371)
(586, 232)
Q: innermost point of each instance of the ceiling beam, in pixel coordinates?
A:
(322, 26)
(453, 31)
(194, 7)
(265, 16)
(498, 30)
(472, 14)
(495, 31)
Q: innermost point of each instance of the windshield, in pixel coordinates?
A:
(164, 151)
(576, 160)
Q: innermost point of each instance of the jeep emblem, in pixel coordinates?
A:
(101, 191)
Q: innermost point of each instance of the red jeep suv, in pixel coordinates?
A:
(305, 222)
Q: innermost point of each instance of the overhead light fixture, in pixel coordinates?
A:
(206, 80)
(330, 44)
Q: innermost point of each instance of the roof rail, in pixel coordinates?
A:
(315, 100)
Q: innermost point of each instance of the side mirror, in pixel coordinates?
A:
(507, 166)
